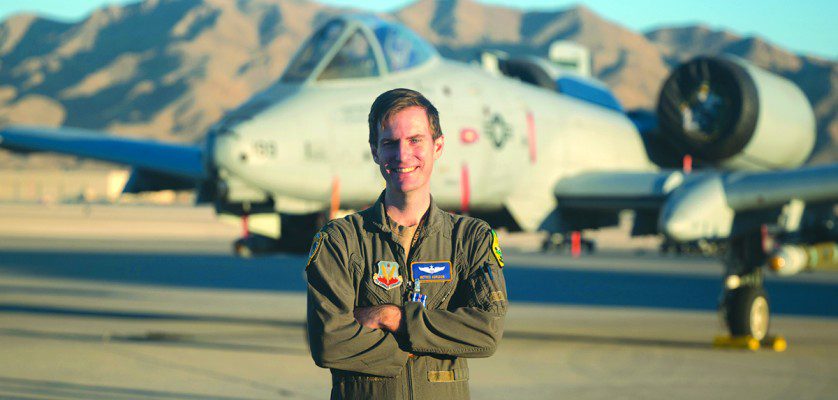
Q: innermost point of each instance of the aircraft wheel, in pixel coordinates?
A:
(241, 248)
(746, 312)
(546, 246)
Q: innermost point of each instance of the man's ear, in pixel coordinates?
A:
(439, 143)
(374, 151)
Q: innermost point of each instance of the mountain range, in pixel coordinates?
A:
(168, 69)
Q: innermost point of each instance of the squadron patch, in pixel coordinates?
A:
(431, 271)
(388, 275)
(316, 244)
(496, 248)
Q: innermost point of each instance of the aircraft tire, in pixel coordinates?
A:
(746, 312)
(242, 249)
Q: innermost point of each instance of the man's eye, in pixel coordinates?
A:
(415, 140)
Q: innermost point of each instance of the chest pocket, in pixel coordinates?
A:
(439, 293)
(371, 294)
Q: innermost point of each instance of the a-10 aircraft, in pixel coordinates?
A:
(529, 147)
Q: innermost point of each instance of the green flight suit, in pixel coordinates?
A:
(462, 317)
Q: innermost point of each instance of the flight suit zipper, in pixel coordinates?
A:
(410, 378)
(409, 258)
(406, 259)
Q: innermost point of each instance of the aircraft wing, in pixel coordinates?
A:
(156, 165)
(711, 206)
(687, 207)
(617, 190)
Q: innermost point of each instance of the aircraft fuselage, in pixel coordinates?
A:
(499, 132)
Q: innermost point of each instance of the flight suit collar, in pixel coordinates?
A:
(436, 219)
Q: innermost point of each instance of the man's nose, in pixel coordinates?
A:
(404, 150)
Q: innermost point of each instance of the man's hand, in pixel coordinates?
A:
(385, 316)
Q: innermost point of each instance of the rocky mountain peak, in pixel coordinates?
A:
(169, 68)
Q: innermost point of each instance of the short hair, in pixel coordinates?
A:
(392, 102)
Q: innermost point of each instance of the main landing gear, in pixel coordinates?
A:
(574, 242)
(746, 312)
(744, 306)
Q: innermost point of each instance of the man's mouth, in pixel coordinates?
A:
(403, 170)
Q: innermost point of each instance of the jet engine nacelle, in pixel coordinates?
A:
(731, 114)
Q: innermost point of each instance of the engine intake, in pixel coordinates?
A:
(732, 114)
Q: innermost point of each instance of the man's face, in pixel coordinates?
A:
(406, 150)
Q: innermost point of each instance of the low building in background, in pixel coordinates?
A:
(52, 186)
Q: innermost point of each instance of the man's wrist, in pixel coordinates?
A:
(394, 317)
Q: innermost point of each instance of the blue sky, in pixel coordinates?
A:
(805, 26)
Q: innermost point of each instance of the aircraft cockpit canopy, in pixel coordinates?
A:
(357, 47)
(401, 47)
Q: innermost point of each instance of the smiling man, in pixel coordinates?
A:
(401, 293)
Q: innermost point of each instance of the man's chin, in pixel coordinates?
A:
(404, 187)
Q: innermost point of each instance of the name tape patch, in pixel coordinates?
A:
(431, 271)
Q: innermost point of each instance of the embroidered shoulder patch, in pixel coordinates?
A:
(316, 244)
(496, 248)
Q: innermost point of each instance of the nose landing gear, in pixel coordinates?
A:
(252, 244)
(295, 234)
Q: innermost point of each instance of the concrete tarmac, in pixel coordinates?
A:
(84, 315)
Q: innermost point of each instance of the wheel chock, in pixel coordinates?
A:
(775, 343)
(736, 342)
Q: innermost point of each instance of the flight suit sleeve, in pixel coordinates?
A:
(336, 339)
(472, 324)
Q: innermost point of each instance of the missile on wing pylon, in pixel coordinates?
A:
(791, 259)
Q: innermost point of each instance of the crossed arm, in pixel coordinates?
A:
(336, 339)
(386, 316)
(363, 339)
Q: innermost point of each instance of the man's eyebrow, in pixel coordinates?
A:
(386, 140)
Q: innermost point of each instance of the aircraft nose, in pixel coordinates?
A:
(220, 150)
(229, 151)
(210, 142)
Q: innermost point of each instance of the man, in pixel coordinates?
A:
(401, 293)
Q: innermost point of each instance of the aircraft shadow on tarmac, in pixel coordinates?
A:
(158, 338)
(217, 342)
(284, 273)
(143, 315)
(18, 388)
(555, 337)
